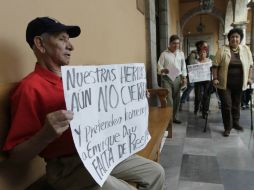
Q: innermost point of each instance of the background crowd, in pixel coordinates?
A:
(231, 73)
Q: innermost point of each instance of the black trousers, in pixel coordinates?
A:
(201, 96)
(230, 106)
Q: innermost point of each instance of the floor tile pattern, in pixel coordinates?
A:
(194, 160)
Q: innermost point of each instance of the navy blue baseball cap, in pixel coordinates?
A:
(42, 25)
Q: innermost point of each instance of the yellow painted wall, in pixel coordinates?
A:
(113, 31)
(211, 27)
(221, 5)
(211, 22)
(173, 17)
(187, 6)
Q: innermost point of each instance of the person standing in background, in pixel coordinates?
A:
(201, 88)
(232, 71)
(185, 96)
(173, 59)
(246, 97)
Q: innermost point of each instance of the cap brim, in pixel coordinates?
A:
(73, 31)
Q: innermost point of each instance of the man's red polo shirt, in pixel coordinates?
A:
(40, 93)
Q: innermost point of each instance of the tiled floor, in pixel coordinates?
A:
(194, 160)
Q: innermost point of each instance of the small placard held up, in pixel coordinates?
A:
(199, 72)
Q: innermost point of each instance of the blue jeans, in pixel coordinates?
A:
(187, 92)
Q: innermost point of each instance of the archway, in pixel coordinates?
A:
(216, 16)
(197, 10)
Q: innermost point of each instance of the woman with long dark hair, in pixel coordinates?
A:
(201, 88)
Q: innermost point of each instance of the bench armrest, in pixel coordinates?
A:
(161, 93)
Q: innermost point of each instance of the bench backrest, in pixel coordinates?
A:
(14, 177)
(161, 94)
(4, 113)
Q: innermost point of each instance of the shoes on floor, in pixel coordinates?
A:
(177, 121)
(238, 127)
(204, 115)
(245, 106)
(226, 133)
(181, 107)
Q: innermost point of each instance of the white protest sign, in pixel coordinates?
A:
(110, 113)
(173, 72)
(199, 72)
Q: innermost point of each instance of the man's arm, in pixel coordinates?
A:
(184, 71)
(55, 124)
(160, 65)
(215, 66)
(215, 75)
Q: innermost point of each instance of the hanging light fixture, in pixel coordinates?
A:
(206, 5)
(200, 27)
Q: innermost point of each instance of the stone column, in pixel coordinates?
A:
(187, 44)
(251, 5)
(225, 36)
(221, 40)
(163, 24)
(241, 25)
(151, 44)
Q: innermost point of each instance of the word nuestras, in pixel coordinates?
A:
(76, 78)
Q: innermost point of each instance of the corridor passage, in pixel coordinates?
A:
(194, 160)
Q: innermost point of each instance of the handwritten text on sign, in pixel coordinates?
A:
(199, 72)
(110, 113)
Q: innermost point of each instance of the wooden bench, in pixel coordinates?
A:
(31, 176)
(159, 121)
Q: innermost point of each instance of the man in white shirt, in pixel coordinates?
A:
(172, 68)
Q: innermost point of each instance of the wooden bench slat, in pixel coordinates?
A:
(158, 123)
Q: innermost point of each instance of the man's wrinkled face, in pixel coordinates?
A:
(58, 48)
